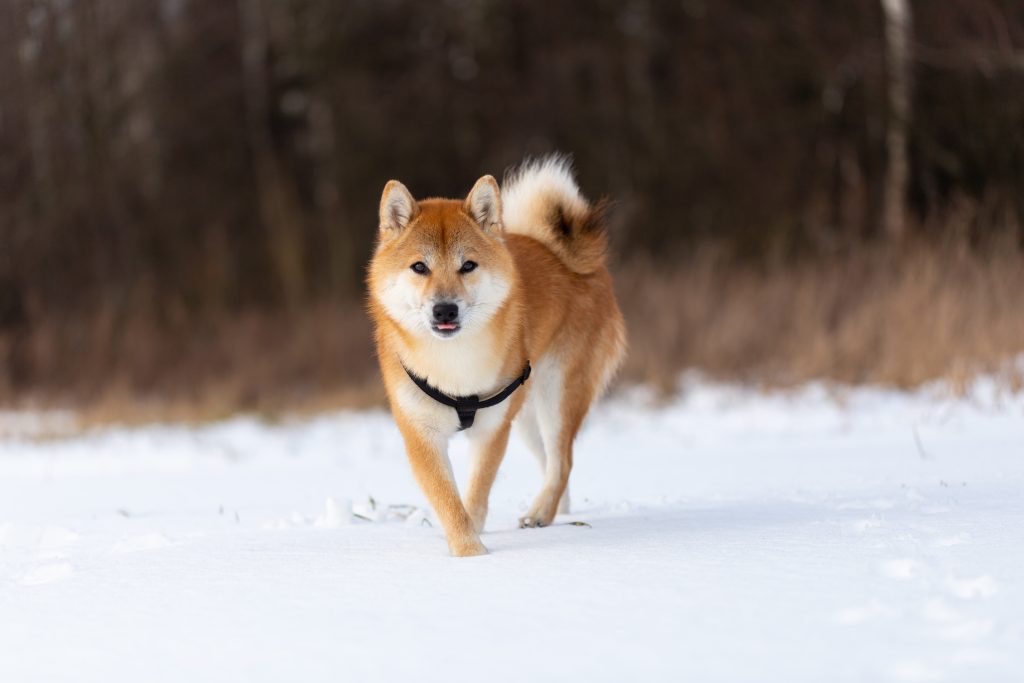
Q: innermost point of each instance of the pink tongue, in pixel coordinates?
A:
(446, 326)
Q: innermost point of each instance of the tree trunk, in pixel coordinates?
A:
(898, 31)
(279, 207)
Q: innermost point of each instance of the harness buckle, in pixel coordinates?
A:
(466, 409)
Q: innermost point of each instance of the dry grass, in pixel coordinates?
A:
(136, 371)
(893, 318)
(873, 316)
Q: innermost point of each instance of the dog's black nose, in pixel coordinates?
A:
(446, 313)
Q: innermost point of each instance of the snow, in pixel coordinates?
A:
(839, 535)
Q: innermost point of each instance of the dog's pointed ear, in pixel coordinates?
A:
(483, 204)
(397, 209)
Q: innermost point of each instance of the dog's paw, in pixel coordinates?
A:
(529, 522)
(534, 521)
(469, 547)
(541, 513)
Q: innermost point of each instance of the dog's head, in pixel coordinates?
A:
(441, 267)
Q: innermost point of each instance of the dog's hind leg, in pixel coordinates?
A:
(560, 411)
(528, 429)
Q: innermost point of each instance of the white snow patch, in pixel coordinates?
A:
(914, 671)
(867, 612)
(151, 541)
(979, 587)
(47, 573)
(335, 514)
(901, 569)
(824, 534)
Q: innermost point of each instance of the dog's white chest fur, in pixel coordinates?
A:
(457, 367)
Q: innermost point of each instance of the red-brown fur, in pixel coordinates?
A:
(534, 307)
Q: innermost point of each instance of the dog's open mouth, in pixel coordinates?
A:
(446, 329)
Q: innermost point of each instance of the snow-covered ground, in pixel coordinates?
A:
(859, 536)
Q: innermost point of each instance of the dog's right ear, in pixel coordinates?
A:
(397, 209)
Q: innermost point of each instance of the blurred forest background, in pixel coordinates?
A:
(803, 189)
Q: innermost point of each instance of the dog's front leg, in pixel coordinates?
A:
(428, 457)
(488, 452)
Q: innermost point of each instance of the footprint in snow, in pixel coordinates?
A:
(40, 538)
(950, 541)
(863, 526)
(47, 573)
(966, 589)
(899, 569)
(145, 542)
(915, 671)
(870, 611)
(951, 624)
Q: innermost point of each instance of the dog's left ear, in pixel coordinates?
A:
(483, 203)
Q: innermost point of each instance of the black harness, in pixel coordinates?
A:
(466, 406)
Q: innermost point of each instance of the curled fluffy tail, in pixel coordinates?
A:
(541, 200)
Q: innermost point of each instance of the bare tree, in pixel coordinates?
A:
(898, 28)
(279, 208)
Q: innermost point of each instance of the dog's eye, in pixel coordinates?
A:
(420, 267)
(468, 267)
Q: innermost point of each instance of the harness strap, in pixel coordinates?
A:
(466, 406)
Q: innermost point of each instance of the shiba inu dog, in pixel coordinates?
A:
(492, 310)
